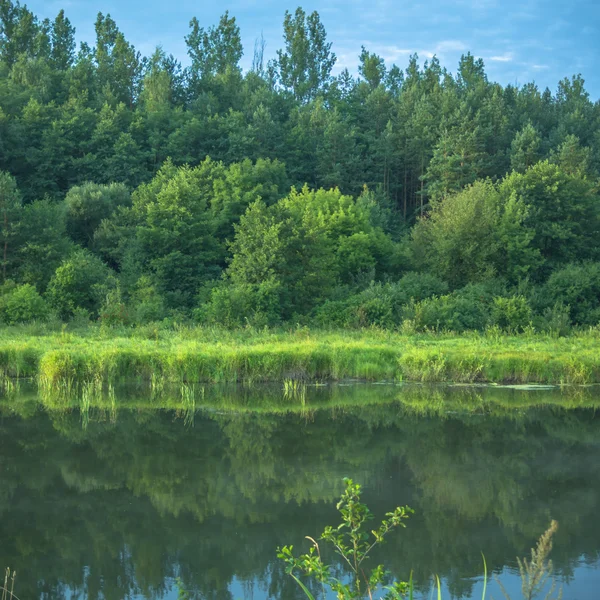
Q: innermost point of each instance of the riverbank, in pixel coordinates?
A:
(105, 357)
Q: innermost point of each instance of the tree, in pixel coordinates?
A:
(456, 162)
(87, 205)
(80, 282)
(562, 213)
(307, 244)
(10, 211)
(119, 65)
(63, 42)
(573, 158)
(185, 215)
(41, 242)
(215, 51)
(21, 304)
(19, 29)
(305, 64)
(525, 149)
(371, 68)
(472, 236)
(157, 86)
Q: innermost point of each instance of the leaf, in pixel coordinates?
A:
(485, 576)
(304, 588)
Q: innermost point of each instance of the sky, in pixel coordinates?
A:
(519, 41)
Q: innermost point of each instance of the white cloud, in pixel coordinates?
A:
(450, 46)
(506, 57)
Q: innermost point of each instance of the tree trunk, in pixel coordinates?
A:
(5, 245)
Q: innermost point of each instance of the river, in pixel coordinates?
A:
(121, 499)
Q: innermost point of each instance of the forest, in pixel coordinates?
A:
(134, 190)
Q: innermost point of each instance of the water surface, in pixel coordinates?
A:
(120, 499)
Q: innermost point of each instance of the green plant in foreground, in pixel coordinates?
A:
(537, 573)
(353, 543)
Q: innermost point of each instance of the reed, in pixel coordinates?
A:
(60, 362)
(8, 589)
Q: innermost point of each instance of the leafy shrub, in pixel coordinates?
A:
(146, 305)
(576, 285)
(556, 320)
(381, 304)
(353, 539)
(511, 314)
(114, 311)
(234, 305)
(80, 319)
(451, 312)
(467, 309)
(81, 281)
(21, 304)
(417, 286)
(337, 313)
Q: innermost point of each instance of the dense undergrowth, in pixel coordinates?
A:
(104, 357)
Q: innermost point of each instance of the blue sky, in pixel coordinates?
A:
(530, 40)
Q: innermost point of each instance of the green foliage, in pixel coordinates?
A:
(81, 281)
(308, 243)
(113, 311)
(146, 304)
(184, 215)
(511, 314)
(556, 320)
(305, 65)
(525, 149)
(578, 287)
(42, 243)
(453, 176)
(215, 51)
(241, 304)
(21, 304)
(353, 543)
(561, 213)
(458, 240)
(88, 205)
(10, 212)
(383, 305)
(454, 312)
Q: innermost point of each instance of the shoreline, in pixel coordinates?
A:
(63, 360)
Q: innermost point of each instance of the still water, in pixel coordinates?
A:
(119, 500)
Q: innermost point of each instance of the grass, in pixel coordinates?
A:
(101, 357)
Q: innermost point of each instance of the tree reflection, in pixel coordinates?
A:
(128, 504)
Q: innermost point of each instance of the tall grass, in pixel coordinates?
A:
(66, 360)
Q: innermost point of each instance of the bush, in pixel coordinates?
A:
(556, 320)
(576, 285)
(235, 305)
(380, 304)
(512, 314)
(451, 313)
(146, 305)
(114, 311)
(82, 281)
(337, 313)
(417, 286)
(21, 304)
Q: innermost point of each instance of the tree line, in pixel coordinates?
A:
(134, 190)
